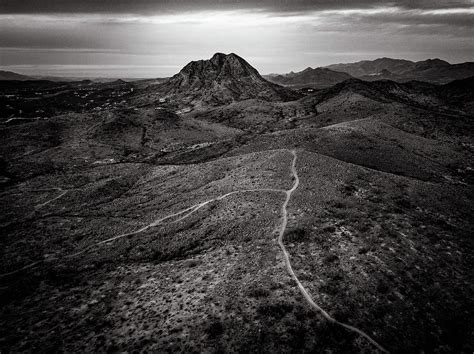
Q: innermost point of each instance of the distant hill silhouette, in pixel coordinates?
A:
(371, 67)
(10, 75)
(317, 78)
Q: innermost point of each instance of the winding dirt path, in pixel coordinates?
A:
(286, 255)
(192, 209)
(189, 211)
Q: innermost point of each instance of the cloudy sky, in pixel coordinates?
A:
(155, 38)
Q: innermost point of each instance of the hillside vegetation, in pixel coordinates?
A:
(145, 216)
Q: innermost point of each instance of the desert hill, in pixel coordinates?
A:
(424, 109)
(316, 78)
(441, 73)
(412, 92)
(220, 80)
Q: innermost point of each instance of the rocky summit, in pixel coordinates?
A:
(222, 79)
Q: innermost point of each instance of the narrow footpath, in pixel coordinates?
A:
(286, 255)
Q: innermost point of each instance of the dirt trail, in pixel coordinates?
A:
(63, 193)
(189, 211)
(192, 209)
(28, 266)
(286, 255)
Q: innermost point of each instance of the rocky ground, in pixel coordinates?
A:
(143, 227)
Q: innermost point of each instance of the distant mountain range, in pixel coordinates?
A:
(431, 70)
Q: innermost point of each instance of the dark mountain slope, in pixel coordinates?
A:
(426, 95)
(380, 91)
(439, 73)
(430, 111)
(459, 94)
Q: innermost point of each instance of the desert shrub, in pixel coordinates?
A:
(296, 235)
(277, 311)
(362, 226)
(375, 199)
(331, 258)
(336, 275)
(388, 231)
(258, 292)
(340, 209)
(339, 205)
(382, 287)
(157, 255)
(329, 228)
(348, 189)
(215, 329)
(330, 288)
(403, 203)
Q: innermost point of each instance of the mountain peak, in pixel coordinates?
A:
(223, 55)
(435, 61)
(431, 64)
(221, 79)
(219, 58)
(220, 67)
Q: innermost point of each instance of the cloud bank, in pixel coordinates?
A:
(147, 38)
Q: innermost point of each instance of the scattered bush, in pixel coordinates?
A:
(296, 235)
(277, 311)
(388, 231)
(215, 329)
(257, 292)
(329, 228)
(331, 258)
(348, 189)
(382, 287)
(402, 203)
